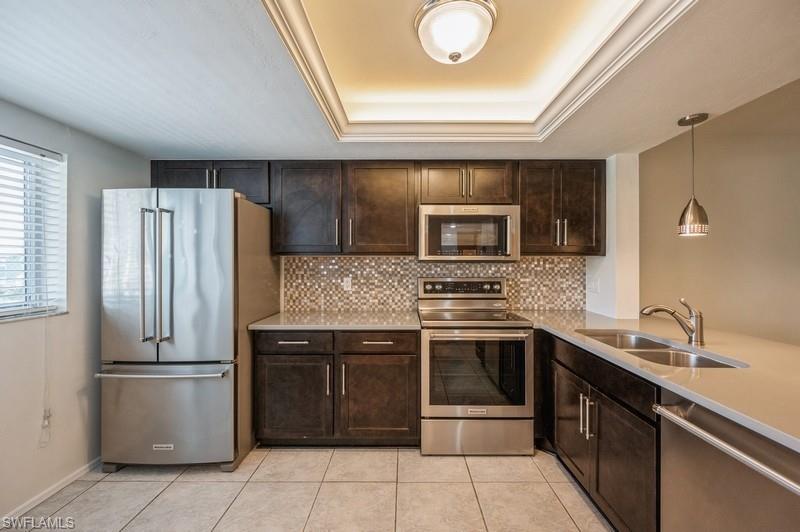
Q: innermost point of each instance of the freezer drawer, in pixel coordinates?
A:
(167, 414)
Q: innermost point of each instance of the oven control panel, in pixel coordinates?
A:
(494, 287)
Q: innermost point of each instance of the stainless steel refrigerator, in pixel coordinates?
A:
(184, 272)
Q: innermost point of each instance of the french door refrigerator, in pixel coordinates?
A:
(184, 272)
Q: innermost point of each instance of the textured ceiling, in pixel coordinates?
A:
(207, 78)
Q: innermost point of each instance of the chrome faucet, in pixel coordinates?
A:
(692, 326)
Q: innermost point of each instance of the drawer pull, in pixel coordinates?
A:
(383, 342)
(293, 342)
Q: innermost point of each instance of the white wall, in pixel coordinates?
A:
(612, 281)
(72, 341)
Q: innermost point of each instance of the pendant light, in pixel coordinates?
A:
(454, 31)
(694, 220)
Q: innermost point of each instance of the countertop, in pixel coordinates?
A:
(334, 320)
(762, 397)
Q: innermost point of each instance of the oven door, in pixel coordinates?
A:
(477, 373)
(469, 232)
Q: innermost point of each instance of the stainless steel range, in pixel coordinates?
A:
(477, 369)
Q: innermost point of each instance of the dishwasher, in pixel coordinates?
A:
(717, 475)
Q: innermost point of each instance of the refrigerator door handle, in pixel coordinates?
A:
(160, 337)
(143, 337)
(105, 375)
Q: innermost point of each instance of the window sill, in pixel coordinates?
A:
(15, 318)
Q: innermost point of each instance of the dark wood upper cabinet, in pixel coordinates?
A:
(490, 182)
(379, 207)
(540, 185)
(562, 206)
(293, 396)
(378, 396)
(181, 174)
(306, 204)
(251, 178)
(443, 182)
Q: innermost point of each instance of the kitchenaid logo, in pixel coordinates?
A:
(163, 447)
(38, 523)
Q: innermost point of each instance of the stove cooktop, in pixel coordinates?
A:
(471, 318)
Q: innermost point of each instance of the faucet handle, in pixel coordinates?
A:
(692, 311)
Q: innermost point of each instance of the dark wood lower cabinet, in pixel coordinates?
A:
(378, 397)
(293, 396)
(609, 446)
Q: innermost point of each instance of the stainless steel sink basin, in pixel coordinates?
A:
(622, 339)
(680, 359)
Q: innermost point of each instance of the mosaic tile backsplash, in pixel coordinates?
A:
(390, 283)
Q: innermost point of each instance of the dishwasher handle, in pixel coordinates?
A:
(672, 414)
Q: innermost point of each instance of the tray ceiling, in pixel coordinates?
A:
(545, 58)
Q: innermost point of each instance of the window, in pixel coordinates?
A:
(33, 230)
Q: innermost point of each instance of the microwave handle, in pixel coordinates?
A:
(508, 236)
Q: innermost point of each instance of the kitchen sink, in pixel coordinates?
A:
(622, 339)
(680, 359)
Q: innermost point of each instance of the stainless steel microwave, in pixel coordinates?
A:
(483, 233)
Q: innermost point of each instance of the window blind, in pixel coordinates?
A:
(33, 230)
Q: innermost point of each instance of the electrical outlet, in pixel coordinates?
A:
(347, 284)
(593, 285)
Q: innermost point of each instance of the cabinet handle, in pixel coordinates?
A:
(343, 378)
(208, 178)
(558, 231)
(327, 379)
(471, 182)
(588, 432)
(370, 342)
(292, 342)
(215, 180)
(350, 232)
(580, 407)
(461, 182)
(336, 230)
(565, 231)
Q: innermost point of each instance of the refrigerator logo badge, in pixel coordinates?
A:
(163, 447)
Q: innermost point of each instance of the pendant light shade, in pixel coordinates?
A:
(694, 219)
(454, 31)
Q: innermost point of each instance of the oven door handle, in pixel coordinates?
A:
(478, 336)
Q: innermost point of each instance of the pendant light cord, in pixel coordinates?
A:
(692, 160)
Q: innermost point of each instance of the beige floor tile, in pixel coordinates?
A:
(186, 506)
(438, 507)
(349, 465)
(350, 506)
(550, 467)
(503, 469)
(413, 467)
(212, 472)
(580, 508)
(95, 474)
(157, 473)
(267, 506)
(295, 465)
(63, 496)
(517, 506)
(108, 506)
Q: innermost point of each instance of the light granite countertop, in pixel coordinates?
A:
(334, 320)
(762, 396)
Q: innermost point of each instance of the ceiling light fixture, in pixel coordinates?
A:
(694, 220)
(454, 31)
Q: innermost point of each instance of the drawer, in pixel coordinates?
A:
(627, 388)
(294, 342)
(376, 342)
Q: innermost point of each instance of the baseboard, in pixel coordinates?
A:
(36, 499)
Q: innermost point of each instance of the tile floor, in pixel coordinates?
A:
(330, 490)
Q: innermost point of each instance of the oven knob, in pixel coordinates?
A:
(428, 287)
(497, 287)
(487, 287)
(438, 287)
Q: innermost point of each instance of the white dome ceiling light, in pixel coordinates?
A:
(454, 31)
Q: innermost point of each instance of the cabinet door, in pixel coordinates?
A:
(181, 174)
(377, 396)
(540, 206)
(624, 482)
(380, 207)
(443, 182)
(306, 202)
(571, 443)
(251, 178)
(294, 396)
(490, 182)
(583, 207)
